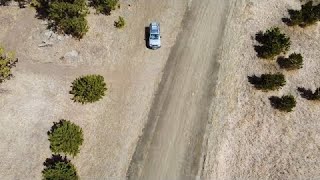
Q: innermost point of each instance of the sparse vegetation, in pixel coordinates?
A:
(7, 61)
(21, 3)
(88, 89)
(268, 81)
(58, 168)
(273, 42)
(308, 94)
(4, 2)
(308, 15)
(294, 61)
(65, 16)
(104, 6)
(65, 137)
(120, 23)
(285, 103)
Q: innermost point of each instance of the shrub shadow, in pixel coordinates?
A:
(281, 60)
(55, 159)
(55, 126)
(260, 50)
(254, 80)
(275, 101)
(259, 37)
(41, 14)
(287, 21)
(42, 9)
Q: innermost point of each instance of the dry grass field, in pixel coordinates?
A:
(248, 138)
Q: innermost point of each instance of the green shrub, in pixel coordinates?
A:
(104, 6)
(294, 61)
(285, 103)
(88, 89)
(65, 16)
(65, 137)
(268, 81)
(308, 15)
(76, 26)
(58, 168)
(7, 61)
(273, 42)
(120, 23)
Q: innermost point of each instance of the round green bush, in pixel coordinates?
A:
(88, 89)
(65, 137)
(58, 168)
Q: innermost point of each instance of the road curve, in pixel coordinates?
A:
(170, 147)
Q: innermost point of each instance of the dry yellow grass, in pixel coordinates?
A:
(248, 138)
(39, 93)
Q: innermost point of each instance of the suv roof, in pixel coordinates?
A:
(155, 29)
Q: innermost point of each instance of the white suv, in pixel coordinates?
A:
(154, 35)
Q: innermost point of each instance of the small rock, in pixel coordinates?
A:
(45, 44)
(48, 34)
(71, 56)
(44, 22)
(60, 38)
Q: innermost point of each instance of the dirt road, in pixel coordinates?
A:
(170, 147)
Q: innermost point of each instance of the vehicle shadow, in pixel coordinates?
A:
(146, 36)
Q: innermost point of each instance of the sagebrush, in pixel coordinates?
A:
(308, 15)
(294, 61)
(120, 23)
(309, 94)
(273, 42)
(285, 103)
(58, 168)
(7, 62)
(268, 82)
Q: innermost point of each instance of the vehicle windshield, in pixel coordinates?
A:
(154, 36)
